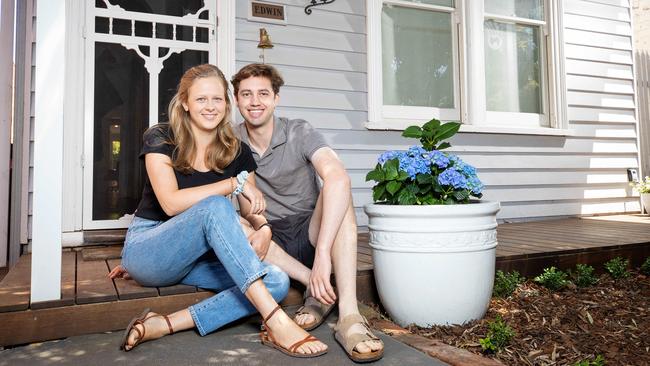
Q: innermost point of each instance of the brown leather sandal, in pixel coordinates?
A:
(349, 342)
(140, 321)
(268, 340)
(314, 308)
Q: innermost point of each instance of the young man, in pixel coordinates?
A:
(311, 228)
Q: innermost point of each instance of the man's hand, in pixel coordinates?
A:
(319, 282)
(260, 241)
(119, 272)
(255, 197)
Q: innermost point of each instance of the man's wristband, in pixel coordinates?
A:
(265, 224)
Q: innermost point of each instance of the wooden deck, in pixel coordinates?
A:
(91, 302)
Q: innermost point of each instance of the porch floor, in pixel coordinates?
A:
(92, 303)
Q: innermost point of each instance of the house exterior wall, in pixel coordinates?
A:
(28, 147)
(322, 57)
(641, 21)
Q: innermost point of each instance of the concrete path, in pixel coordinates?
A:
(236, 345)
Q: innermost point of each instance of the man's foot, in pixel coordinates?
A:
(285, 335)
(354, 334)
(313, 312)
(150, 327)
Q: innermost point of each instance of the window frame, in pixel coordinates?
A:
(392, 114)
(76, 159)
(469, 19)
(526, 119)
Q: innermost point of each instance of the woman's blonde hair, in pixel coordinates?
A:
(225, 146)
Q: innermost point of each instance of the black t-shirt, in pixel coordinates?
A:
(157, 139)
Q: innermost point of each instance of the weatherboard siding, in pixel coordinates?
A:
(323, 59)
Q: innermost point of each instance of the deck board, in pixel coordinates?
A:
(15, 287)
(176, 289)
(68, 281)
(526, 247)
(129, 289)
(53, 323)
(93, 284)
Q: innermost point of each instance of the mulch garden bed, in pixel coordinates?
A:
(611, 319)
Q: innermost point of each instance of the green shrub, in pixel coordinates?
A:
(584, 275)
(617, 267)
(499, 335)
(506, 283)
(645, 267)
(598, 361)
(552, 278)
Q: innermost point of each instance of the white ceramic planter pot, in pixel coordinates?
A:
(434, 264)
(645, 200)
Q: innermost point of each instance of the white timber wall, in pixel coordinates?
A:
(322, 57)
(48, 154)
(642, 47)
(323, 60)
(29, 120)
(6, 106)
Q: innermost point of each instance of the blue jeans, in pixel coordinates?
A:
(182, 250)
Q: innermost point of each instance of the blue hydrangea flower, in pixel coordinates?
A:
(455, 173)
(452, 177)
(416, 150)
(438, 158)
(463, 167)
(474, 184)
(388, 155)
(413, 162)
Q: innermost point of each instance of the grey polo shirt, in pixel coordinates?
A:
(284, 172)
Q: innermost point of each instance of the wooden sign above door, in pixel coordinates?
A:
(268, 13)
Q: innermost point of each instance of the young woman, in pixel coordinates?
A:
(186, 231)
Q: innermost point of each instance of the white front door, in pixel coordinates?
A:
(136, 52)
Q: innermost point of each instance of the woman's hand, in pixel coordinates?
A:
(255, 197)
(119, 272)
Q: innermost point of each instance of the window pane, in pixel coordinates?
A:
(417, 57)
(531, 9)
(513, 67)
(449, 3)
(174, 67)
(177, 8)
(121, 115)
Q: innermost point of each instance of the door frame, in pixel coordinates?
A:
(79, 204)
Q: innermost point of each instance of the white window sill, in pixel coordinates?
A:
(546, 131)
(503, 130)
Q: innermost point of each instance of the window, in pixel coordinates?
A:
(419, 59)
(491, 63)
(515, 81)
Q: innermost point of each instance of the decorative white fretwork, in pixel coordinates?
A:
(154, 38)
(154, 62)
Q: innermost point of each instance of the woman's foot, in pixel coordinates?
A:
(153, 326)
(286, 333)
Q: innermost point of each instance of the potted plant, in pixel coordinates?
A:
(433, 244)
(643, 187)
